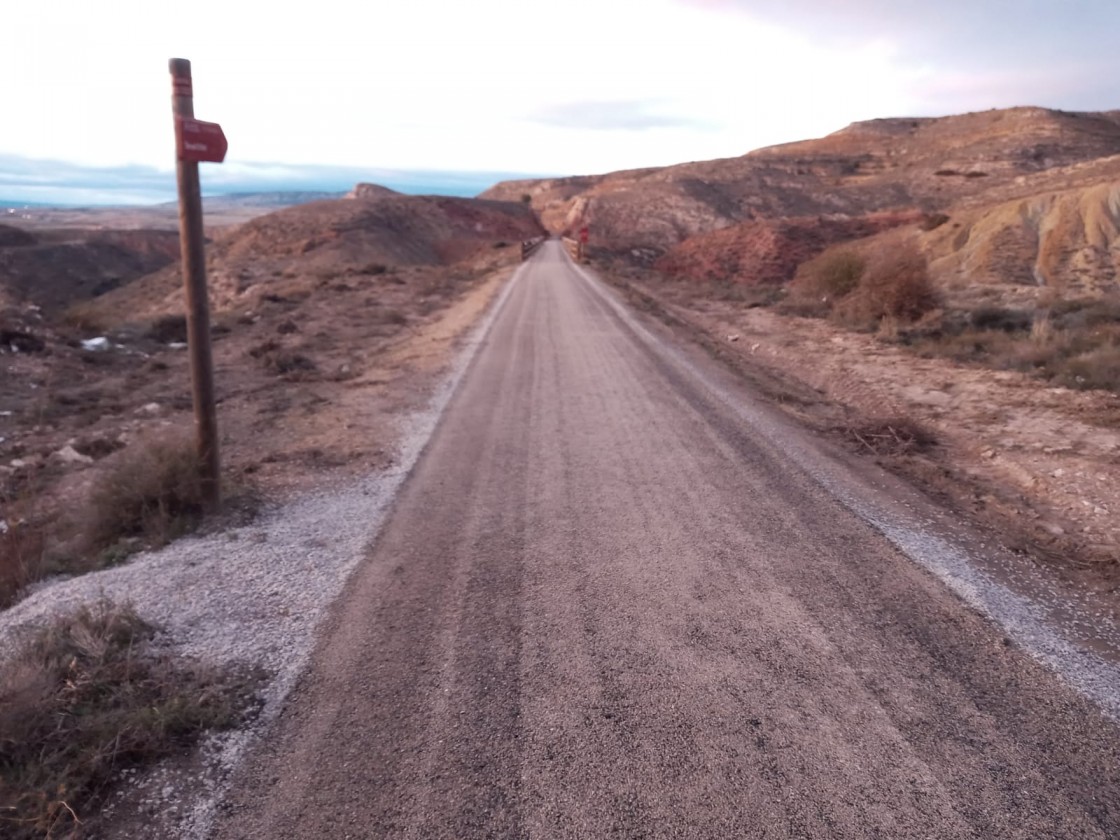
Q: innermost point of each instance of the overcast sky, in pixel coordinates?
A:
(505, 86)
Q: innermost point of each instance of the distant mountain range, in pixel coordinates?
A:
(29, 182)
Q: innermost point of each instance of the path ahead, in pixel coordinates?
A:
(605, 607)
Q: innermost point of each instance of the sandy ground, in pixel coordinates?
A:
(619, 597)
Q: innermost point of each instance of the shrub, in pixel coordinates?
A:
(86, 318)
(1099, 368)
(896, 284)
(86, 700)
(153, 492)
(22, 547)
(168, 329)
(832, 275)
(999, 318)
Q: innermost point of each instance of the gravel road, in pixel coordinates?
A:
(607, 605)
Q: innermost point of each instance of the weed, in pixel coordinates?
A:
(1000, 318)
(87, 699)
(285, 362)
(85, 318)
(1099, 368)
(168, 329)
(22, 561)
(1072, 343)
(152, 492)
(830, 276)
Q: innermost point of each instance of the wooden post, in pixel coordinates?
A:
(193, 250)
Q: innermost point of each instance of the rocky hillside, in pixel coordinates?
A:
(1043, 161)
(54, 269)
(373, 229)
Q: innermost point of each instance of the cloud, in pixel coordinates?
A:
(1036, 52)
(612, 116)
(54, 182)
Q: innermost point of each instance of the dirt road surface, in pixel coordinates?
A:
(605, 607)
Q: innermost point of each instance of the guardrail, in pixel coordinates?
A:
(574, 248)
(530, 246)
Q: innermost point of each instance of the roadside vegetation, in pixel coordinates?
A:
(1074, 343)
(149, 495)
(90, 697)
(889, 286)
(1071, 343)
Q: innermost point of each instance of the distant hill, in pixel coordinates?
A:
(324, 239)
(271, 200)
(1040, 167)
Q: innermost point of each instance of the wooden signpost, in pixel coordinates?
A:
(197, 141)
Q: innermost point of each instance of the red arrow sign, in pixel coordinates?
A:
(583, 233)
(199, 141)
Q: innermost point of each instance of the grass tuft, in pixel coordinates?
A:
(89, 698)
(153, 492)
(22, 551)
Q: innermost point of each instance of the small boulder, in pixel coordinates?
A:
(68, 455)
(97, 345)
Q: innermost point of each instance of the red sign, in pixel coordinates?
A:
(199, 141)
(583, 232)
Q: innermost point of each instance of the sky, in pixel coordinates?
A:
(450, 96)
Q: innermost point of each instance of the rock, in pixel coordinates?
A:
(151, 409)
(69, 455)
(97, 345)
(733, 338)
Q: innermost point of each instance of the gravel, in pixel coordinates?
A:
(251, 596)
(1072, 633)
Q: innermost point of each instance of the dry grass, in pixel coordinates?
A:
(87, 699)
(86, 318)
(861, 291)
(890, 436)
(22, 558)
(168, 328)
(152, 492)
(829, 277)
(1073, 343)
(895, 285)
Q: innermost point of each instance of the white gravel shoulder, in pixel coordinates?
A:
(254, 595)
